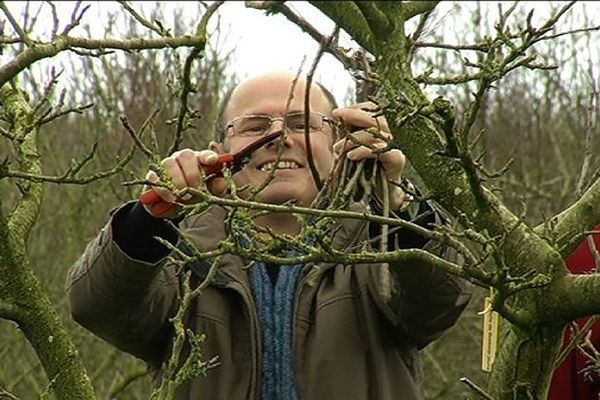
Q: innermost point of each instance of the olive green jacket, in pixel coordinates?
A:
(350, 341)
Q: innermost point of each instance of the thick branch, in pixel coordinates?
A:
(376, 18)
(582, 216)
(572, 297)
(348, 16)
(25, 302)
(414, 8)
(25, 213)
(39, 51)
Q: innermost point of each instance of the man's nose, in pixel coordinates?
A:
(277, 126)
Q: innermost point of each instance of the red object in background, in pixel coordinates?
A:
(568, 382)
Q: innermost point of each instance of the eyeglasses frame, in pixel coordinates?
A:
(332, 123)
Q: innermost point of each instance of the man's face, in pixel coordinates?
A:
(269, 95)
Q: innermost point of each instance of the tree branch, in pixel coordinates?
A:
(24, 215)
(568, 226)
(70, 176)
(187, 86)
(46, 50)
(15, 24)
(571, 298)
(377, 19)
(413, 8)
(309, 77)
(155, 28)
(348, 16)
(6, 395)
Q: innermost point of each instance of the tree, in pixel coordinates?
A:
(27, 166)
(522, 263)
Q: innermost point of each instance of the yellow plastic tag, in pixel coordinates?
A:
(490, 335)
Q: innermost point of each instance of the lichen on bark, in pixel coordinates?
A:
(22, 298)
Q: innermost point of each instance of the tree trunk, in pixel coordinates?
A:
(524, 363)
(22, 299)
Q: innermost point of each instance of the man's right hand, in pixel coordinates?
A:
(184, 170)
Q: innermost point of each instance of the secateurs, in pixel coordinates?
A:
(234, 161)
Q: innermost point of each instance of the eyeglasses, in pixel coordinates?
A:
(258, 125)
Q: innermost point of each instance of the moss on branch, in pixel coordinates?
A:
(567, 228)
(18, 110)
(19, 288)
(349, 17)
(413, 8)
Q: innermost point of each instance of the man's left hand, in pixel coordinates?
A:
(369, 134)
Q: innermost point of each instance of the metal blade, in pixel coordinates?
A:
(241, 158)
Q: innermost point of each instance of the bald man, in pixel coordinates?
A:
(277, 334)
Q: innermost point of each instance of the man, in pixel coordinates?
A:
(276, 335)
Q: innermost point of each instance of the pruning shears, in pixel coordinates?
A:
(234, 161)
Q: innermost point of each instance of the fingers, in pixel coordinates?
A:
(368, 137)
(207, 157)
(361, 116)
(163, 193)
(217, 186)
(392, 161)
(364, 145)
(183, 168)
(361, 138)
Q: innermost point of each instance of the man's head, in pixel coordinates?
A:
(269, 95)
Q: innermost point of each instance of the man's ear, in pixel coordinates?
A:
(217, 147)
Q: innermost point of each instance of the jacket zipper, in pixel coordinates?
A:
(301, 286)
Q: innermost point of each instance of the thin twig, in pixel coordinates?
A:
(158, 29)
(6, 395)
(137, 137)
(575, 340)
(15, 25)
(307, 128)
(588, 152)
(187, 86)
(476, 388)
(129, 379)
(75, 19)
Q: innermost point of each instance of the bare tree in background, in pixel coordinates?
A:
(47, 143)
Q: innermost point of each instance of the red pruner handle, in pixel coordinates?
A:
(216, 169)
(154, 204)
(150, 198)
(158, 207)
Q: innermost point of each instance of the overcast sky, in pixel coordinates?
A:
(271, 42)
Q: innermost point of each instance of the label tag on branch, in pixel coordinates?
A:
(490, 335)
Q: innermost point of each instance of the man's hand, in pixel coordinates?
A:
(184, 170)
(369, 134)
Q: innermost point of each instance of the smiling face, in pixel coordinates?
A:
(268, 95)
